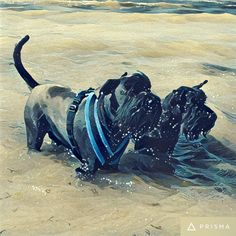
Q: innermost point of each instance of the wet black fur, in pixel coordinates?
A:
(125, 107)
(183, 112)
(19, 66)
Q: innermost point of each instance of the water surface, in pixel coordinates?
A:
(82, 44)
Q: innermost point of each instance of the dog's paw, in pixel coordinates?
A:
(84, 175)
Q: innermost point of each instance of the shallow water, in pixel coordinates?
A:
(136, 6)
(84, 46)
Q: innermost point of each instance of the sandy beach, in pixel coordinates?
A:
(39, 194)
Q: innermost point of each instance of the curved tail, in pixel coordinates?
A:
(19, 66)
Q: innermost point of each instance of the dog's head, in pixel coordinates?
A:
(116, 91)
(196, 118)
(138, 114)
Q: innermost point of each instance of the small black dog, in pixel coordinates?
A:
(103, 121)
(183, 112)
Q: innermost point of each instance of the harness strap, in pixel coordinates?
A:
(90, 132)
(103, 137)
(102, 149)
(95, 132)
(70, 121)
(99, 127)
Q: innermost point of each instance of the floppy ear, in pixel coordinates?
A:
(200, 85)
(176, 97)
(109, 86)
(125, 74)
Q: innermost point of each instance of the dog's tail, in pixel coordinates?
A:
(19, 66)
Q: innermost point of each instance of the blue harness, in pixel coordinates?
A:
(95, 132)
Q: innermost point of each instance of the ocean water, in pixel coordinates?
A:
(152, 6)
(81, 44)
(136, 6)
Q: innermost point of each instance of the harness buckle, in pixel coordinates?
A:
(73, 108)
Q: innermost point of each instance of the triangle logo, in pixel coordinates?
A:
(191, 227)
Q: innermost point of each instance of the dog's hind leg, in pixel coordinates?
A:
(36, 127)
(54, 139)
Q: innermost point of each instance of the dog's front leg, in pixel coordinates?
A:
(87, 170)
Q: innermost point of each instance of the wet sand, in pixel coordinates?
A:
(39, 194)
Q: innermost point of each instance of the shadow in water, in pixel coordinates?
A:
(206, 162)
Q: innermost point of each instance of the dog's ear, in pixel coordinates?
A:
(176, 97)
(137, 83)
(200, 85)
(125, 74)
(109, 87)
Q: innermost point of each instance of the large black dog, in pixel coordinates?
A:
(183, 112)
(100, 122)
